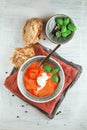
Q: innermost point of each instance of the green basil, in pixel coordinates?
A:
(56, 70)
(66, 34)
(63, 29)
(59, 21)
(47, 68)
(66, 21)
(55, 78)
(58, 34)
(72, 27)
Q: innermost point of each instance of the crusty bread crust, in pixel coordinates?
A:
(32, 31)
(20, 55)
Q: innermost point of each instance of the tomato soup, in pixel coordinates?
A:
(41, 81)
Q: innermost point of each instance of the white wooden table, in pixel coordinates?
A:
(13, 14)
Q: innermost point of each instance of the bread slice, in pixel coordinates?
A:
(20, 55)
(32, 31)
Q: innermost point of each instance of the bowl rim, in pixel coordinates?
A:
(30, 97)
(46, 29)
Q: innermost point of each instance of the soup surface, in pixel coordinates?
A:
(41, 81)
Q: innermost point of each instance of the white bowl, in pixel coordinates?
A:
(26, 93)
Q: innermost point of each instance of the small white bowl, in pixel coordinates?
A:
(51, 25)
(34, 98)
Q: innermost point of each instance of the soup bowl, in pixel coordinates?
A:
(33, 95)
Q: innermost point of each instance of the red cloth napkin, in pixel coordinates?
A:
(70, 75)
